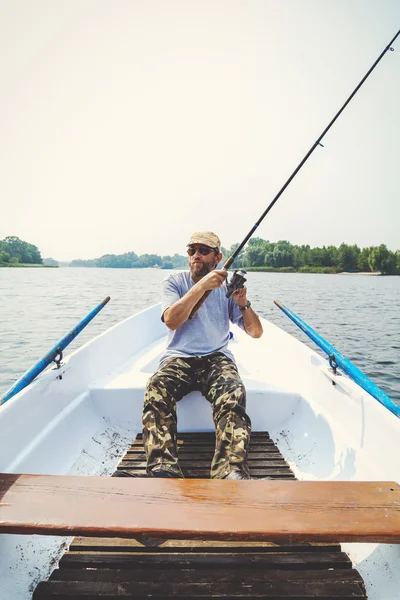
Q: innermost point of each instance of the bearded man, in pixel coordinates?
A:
(197, 358)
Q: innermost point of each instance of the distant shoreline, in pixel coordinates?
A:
(248, 269)
(27, 265)
(262, 255)
(315, 271)
(361, 273)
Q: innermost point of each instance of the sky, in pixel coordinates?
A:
(127, 125)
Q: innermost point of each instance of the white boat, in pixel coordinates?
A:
(81, 418)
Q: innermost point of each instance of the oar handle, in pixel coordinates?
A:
(199, 303)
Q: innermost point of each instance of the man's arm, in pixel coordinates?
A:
(252, 323)
(179, 312)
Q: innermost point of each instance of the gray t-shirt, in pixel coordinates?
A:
(208, 331)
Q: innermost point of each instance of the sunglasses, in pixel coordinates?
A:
(203, 250)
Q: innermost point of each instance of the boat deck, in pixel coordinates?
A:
(113, 568)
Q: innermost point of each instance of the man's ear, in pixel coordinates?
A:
(218, 258)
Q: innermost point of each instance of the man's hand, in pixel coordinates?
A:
(240, 296)
(213, 280)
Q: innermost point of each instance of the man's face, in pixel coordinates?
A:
(203, 260)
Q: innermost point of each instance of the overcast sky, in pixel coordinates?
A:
(126, 124)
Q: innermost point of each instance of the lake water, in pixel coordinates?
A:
(359, 315)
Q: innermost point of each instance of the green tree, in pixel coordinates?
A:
(150, 260)
(363, 260)
(78, 262)
(23, 251)
(332, 256)
(179, 261)
(255, 252)
(348, 256)
(318, 257)
(167, 264)
(239, 260)
(255, 256)
(4, 257)
(282, 254)
(378, 258)
(390, 267)
(50, 262)
(383, 260)
(305, 254)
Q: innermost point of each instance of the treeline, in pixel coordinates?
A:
(259, 254)
(284, 256)
(130, 260)
(14, 251)
(272, 256)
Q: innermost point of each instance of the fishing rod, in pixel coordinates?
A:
(238, 278)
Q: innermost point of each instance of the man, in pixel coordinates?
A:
(197, 358)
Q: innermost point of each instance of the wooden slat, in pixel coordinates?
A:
(204, 473)
(208, 444)
(275, 588)
(209, 435)
(95, 544)
(205, 575)
(186, 454)
(205, 467)
(202, 463)
(236, 560)
(208, 509)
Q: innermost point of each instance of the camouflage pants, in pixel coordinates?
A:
(217, 377)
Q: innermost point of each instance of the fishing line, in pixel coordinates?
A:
(229, 262)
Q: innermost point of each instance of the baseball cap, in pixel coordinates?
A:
(205, 237)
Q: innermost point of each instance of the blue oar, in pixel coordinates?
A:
(52, 355)
(346, 365)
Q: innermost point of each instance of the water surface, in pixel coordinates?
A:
(359, 315)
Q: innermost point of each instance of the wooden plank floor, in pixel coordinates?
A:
(113, 568)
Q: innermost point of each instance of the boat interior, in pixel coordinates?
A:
(85, 419)
(141, 567)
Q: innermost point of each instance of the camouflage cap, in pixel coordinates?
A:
(205, 237)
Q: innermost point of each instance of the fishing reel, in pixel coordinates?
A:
(237, 281)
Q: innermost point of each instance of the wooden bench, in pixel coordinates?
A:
(317, 511)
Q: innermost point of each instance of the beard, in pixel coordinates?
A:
(201, 269)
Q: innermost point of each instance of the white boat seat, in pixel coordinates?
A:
(123, 392)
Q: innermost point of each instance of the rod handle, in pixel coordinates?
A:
(204, 297)
(199, 303)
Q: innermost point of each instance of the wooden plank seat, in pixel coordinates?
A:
(201, 509)
(111, 568)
